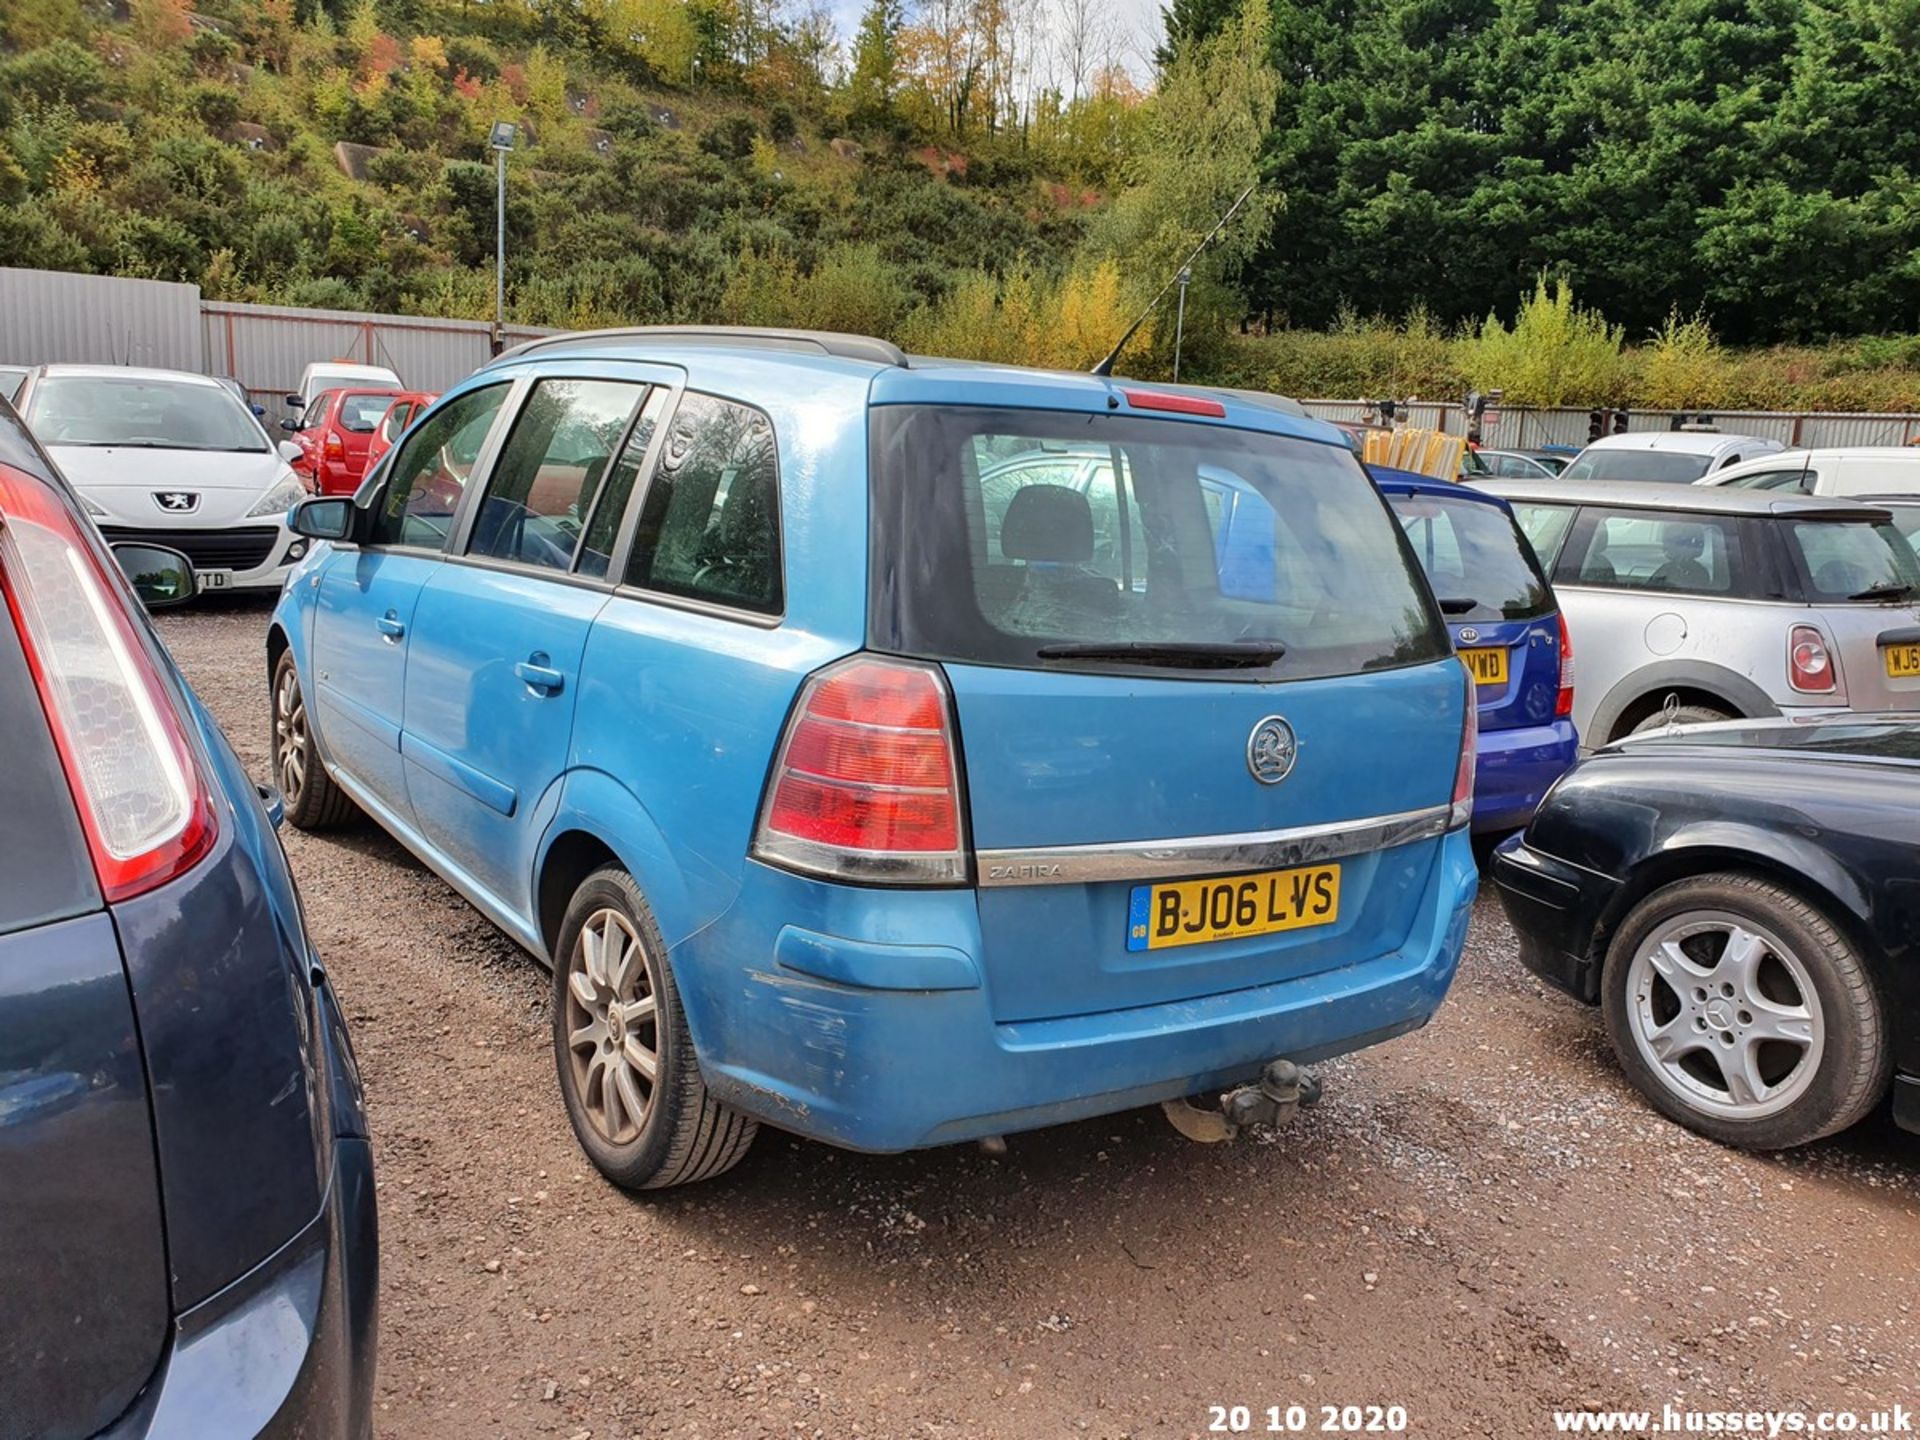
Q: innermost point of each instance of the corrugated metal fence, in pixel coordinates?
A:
(48, 316)
(267, 346)
(1518, 429)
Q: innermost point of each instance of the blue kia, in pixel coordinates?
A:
(872, 747)
(1509, 631)
(187, 1219)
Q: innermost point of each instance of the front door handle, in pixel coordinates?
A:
(540, 677)
(392, 626)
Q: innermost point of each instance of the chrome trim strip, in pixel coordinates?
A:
(1208, 854)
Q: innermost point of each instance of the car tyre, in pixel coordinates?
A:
(1738, 1009)
(313, 801)
(620, 1042)
(1679, 715)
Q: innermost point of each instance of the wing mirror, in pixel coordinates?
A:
(160, 577)
(294, 402)
(290, 452)
(324, 517)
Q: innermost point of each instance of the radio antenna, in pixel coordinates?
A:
(1105, 367)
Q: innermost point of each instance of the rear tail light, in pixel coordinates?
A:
(866, 785)
(1810, 667)
(334, 446)
(143, 803)
(1563, 702)
(1462, 811)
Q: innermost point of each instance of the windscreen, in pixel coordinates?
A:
(1674, 466)
(96, 410)
(1849, 560)
(1476, 559)
(1038, 538)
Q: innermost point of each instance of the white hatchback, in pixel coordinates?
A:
(1671, 456)
(167, 457)
(1841, 470)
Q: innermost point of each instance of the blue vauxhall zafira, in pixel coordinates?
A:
(874, 747)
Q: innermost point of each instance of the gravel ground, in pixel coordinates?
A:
(1480, 1223)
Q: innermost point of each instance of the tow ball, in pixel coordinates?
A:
(1283, 1089)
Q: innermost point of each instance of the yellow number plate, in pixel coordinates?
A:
(1903, 661)
(1191, 912)
(1488, 665)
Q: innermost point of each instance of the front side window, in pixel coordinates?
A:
(1178, 545)
(550, 469)
(107, 410)
(1649, 550)
(1843, 560)
(1476, 559)
(710, 525)
(430, 471)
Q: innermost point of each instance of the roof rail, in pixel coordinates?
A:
(824, 342)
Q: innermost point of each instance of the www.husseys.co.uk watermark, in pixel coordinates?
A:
(1670, 1420)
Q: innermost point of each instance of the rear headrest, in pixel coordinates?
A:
(1048, 523)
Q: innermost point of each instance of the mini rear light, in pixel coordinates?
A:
(335, 446)
(1810, 667)
(866, 785)
(1462, 808)
(142, 801)
(1563, 702)
(1175, 404)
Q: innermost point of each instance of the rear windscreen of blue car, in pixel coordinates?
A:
(1476, 559)
(1018, 537)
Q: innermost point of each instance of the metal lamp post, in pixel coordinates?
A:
(501, 141)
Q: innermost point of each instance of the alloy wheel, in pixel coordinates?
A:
(1725, 1015)
(613, 1032)
(290, 736)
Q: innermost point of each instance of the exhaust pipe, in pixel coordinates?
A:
(1282, 1091)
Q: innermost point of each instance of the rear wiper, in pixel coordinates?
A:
(1452, 605)
(1891, 590)
(1201, 654)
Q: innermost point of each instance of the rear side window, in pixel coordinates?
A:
(1649, 550)
(1848, 560)
(543, 485)
(1545, 527)
(1000, 536)
(710, 524)
(1476, 559)
(430, 470)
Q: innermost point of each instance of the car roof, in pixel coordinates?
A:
(128, 372)
(1411, 482)
(1659, 495)
(897, 379)
(1686, 442)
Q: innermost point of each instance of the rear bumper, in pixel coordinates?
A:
(1514, 769)
(1555, 909)
(887, 1069)
(287, 1349)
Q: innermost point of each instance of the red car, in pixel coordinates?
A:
(334, 433)
(406, 405)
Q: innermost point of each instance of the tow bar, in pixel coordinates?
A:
(1283, 1089)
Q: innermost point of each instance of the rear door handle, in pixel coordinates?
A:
(540, 677)
(392, 626)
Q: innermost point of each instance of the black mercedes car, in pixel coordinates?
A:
(1742, 901)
